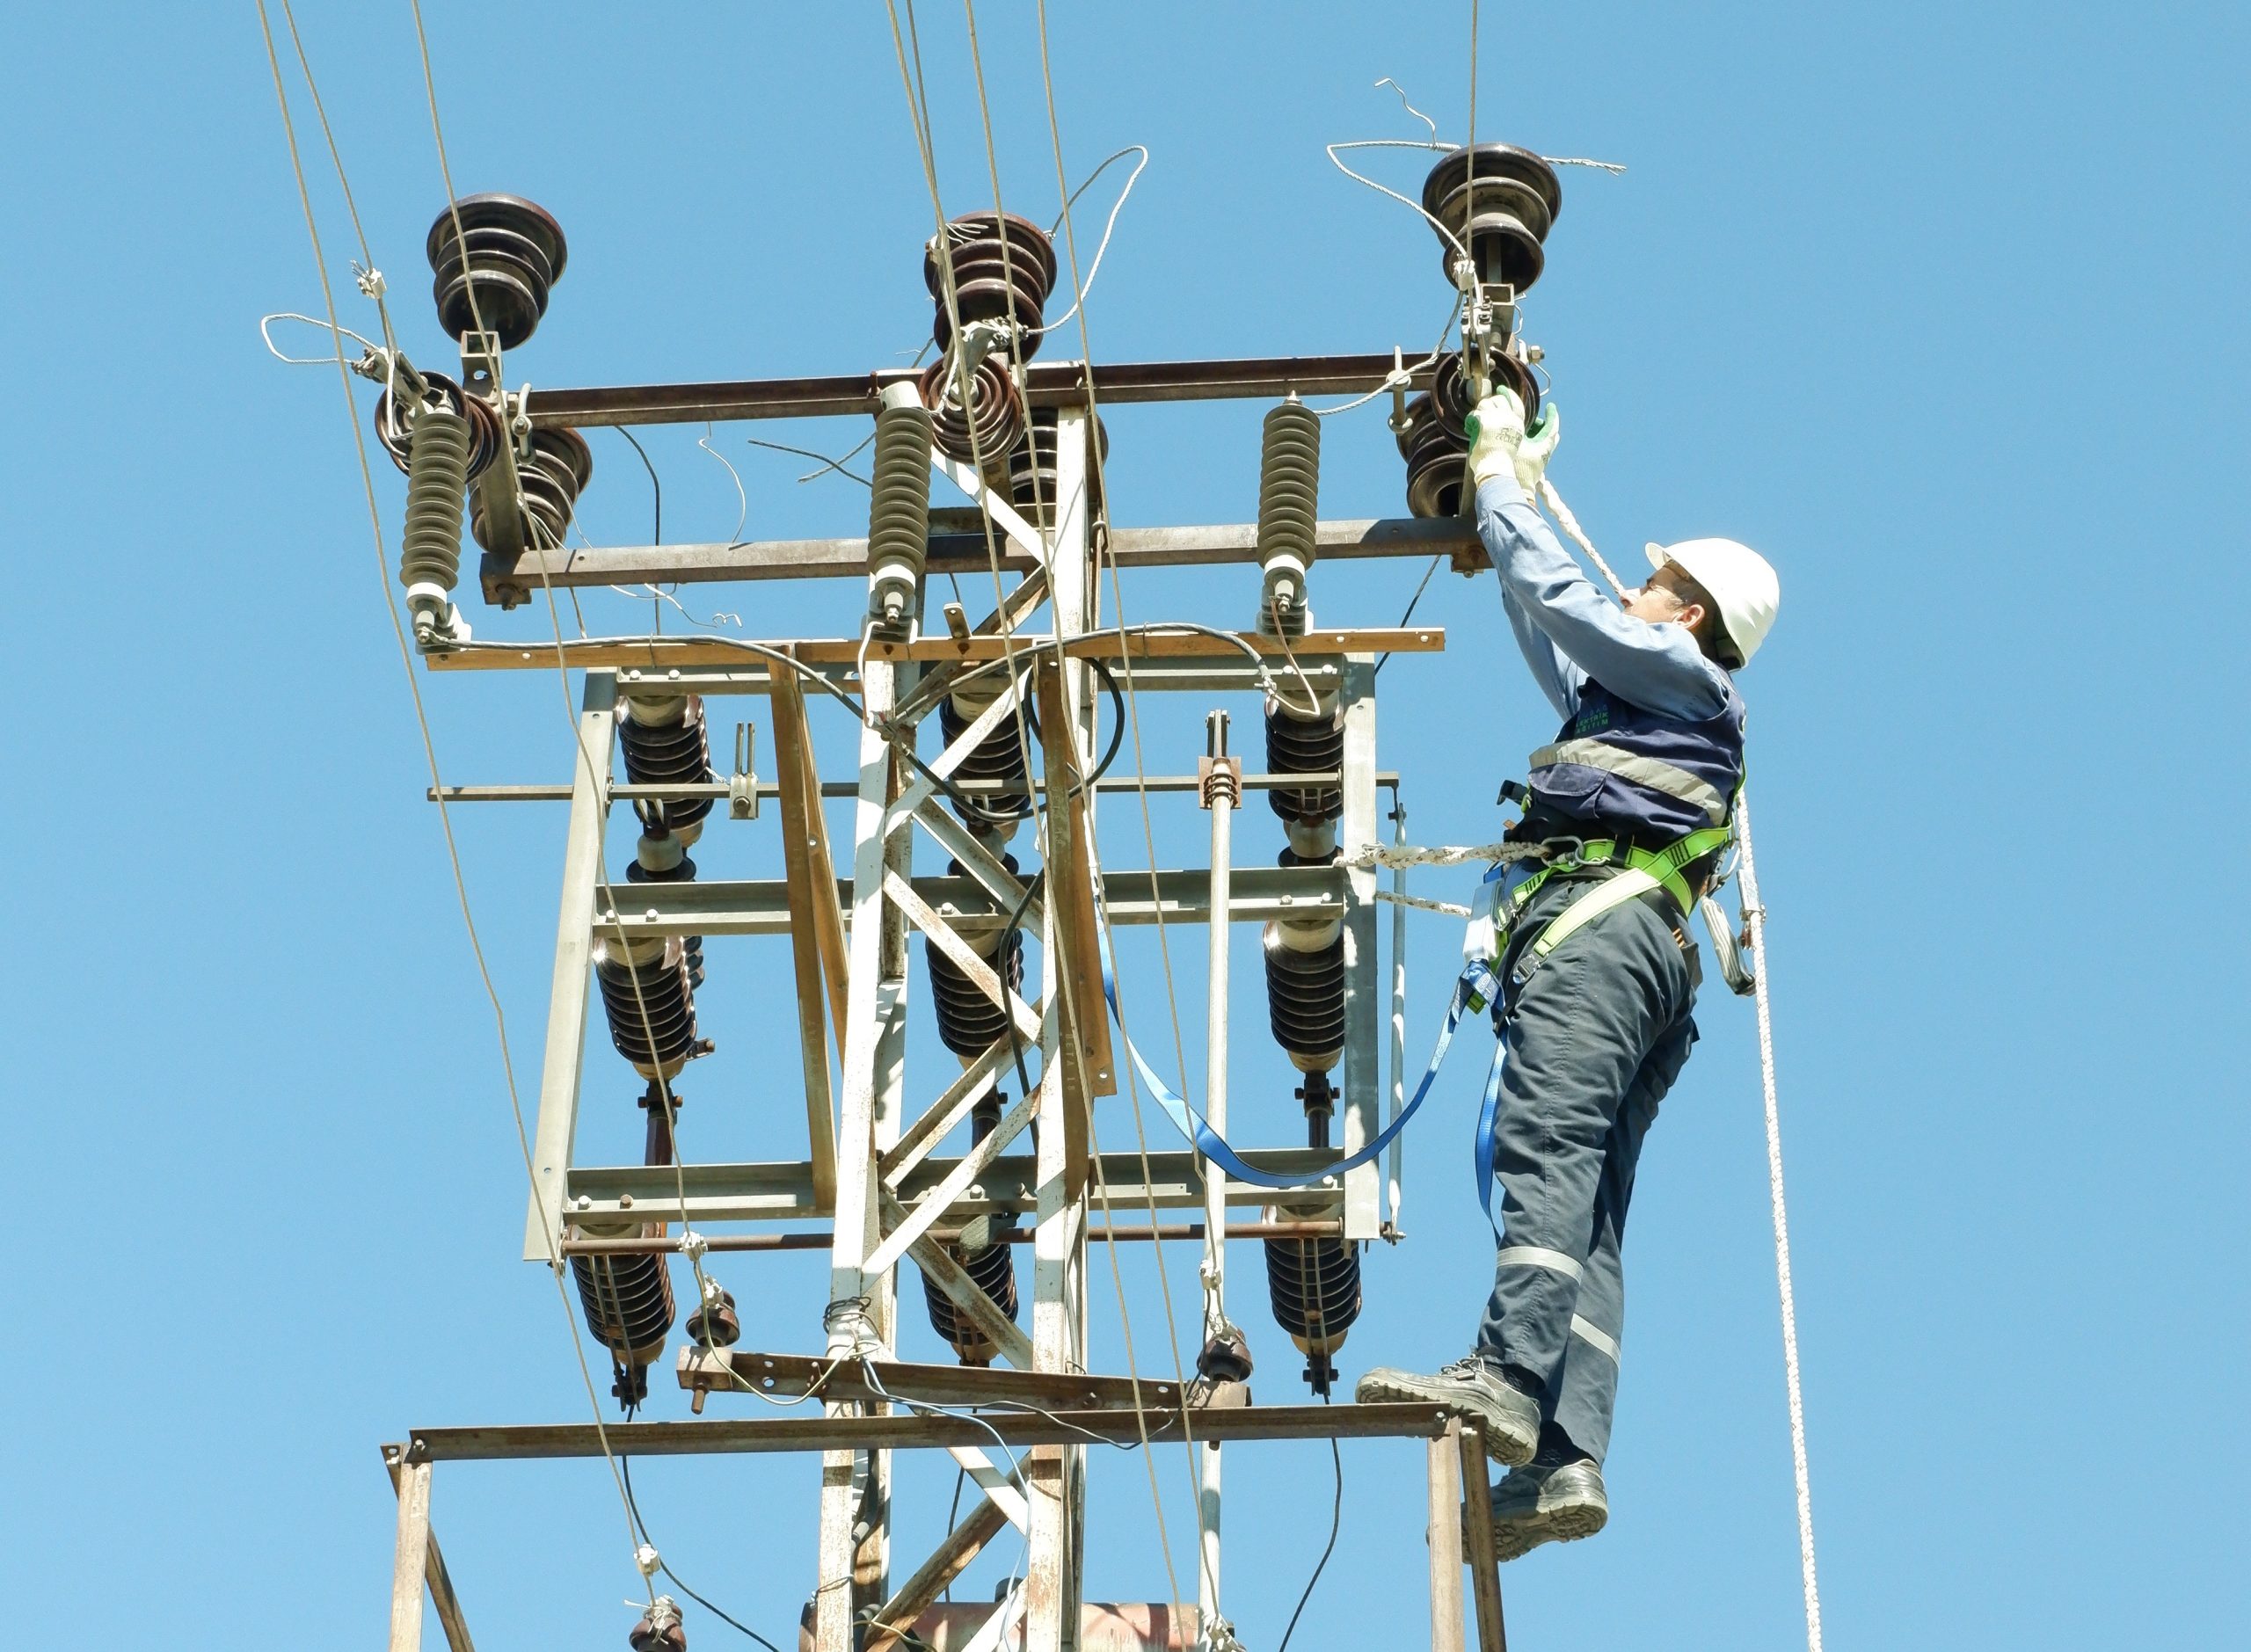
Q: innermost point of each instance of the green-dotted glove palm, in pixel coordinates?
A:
(1499, 445)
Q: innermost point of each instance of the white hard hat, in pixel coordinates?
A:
(1742, 582)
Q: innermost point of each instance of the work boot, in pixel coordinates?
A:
(1506, 1414)
(1546, 1501)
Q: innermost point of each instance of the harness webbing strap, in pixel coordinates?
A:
(1472, 991)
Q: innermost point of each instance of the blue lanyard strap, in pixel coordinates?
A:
(1477, 987)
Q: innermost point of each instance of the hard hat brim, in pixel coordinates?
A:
(1656, 553)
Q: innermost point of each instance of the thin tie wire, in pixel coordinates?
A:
(429, 747)
(1755, 916)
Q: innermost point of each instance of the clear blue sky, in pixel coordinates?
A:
(1940, 305)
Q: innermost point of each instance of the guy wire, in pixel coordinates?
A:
(429, 747)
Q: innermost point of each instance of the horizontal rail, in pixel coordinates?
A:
(749, 906)
(657, 654)
(510, 579)
(818, 1433)
(1309, 780)
(618, 1197)
(787, 1376)
(1046, 384)
(1100, 1234)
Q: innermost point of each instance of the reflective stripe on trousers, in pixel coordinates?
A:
(1596, 1036)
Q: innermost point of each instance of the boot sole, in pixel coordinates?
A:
(1509, 1441)
(1513, 1540)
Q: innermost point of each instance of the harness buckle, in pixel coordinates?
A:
(1479, 986)
(1563, 855)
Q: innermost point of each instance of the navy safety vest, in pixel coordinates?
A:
(1638, 773)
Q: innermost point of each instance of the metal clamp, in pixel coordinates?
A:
(742, 785)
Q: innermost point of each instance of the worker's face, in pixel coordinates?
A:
(1660, 602)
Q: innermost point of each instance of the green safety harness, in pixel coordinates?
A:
(1641, 872)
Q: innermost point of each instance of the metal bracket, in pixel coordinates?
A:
(742, 785)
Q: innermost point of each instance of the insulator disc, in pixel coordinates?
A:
(994, 1268)
(969, 1022)
(1032, 484)
(1435, 458)
(485, 434)
(628, 1303)
(505, 256)
(558, 470)
(1454, 395)
(1305, 1001)
(1315, 1285)
(1297, 746)
(990, 282)
(995, 418)
(670, 753)
(1500, 202)
(650, 1007)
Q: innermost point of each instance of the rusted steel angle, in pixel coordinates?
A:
(734, 1370)
(509, 580)
(816, 1433)
(661, 653)
(1046, 384)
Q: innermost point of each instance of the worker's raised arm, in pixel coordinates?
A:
(1659, 667)
(1558, 679)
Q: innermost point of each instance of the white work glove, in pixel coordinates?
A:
(1500, 445)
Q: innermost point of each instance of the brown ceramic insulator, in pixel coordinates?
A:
(1454, 397)
(1500, 202)
(995, 412)
(1434, 457)
(495, 258)
(552, 475)
(485, 433)
(1031, 469)
(991, 280)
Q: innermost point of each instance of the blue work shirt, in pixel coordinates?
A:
(1569, 631)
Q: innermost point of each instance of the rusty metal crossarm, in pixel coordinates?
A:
(783, 1376)
(662, 653)
(510, 579)
(1046, 384)
(731, 1436)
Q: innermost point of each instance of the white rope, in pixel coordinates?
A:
(1407, 854)
(1755, 918)
(1449, 909)
(1570, 524)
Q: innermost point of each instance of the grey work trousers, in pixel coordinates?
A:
(1596, 1036)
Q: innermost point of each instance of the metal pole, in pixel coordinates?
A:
(1219, 794)
(1397, 1170)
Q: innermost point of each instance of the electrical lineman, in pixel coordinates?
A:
(1630, 808)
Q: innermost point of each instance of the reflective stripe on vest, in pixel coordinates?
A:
(1622, 768)
(1653, 772)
